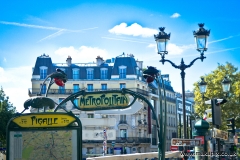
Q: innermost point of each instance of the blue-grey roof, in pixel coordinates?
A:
(44, 60)
(129, 62)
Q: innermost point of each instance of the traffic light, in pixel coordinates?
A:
(231, 125)
(216, 110)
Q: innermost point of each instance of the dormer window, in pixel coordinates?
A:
(90, 73)
(137, 71)
(43, 72)
(43, 88)
(104, 73)
(75, 73)
(122, 71)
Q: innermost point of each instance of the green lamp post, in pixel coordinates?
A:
(150, 75)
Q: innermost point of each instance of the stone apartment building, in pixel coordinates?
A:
(129, 130)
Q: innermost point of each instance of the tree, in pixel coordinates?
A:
(231, 109)
(7, 111)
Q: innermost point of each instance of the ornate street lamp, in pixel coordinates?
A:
(201, 36)
(202, 86)
(150, 75)
(226, 84)
(162, 39)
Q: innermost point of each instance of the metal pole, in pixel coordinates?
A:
(160, 145)
(180, 126)
(183, 103)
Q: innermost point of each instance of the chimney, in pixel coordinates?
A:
(99, 60)
(69, 61)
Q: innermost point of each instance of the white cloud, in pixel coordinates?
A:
(173, 49)
(133, 30)
(83, 54)
(175, 15)
(4, 59)
(15, 83)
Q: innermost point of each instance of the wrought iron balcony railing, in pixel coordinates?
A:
(123, 122)
(133, 140)
(33, 91)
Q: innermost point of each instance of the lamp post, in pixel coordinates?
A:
(150, 75)
(226, 88)
(201, 37)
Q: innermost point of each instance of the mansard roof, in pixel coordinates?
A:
(129, 62)
(44, 60)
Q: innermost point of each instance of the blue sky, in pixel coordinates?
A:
(86, 29)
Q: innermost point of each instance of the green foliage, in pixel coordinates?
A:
(231, 109)
(6, 113)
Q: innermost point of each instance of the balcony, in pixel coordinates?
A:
(134, 140)
(35, 91)
(123, 122)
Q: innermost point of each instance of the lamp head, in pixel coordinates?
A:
(201, 38)
(226, 84)
(162, 39)
(203, 86)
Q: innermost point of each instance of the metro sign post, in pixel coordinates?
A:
(217, 133)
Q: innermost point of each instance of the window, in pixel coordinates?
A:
(137, 70)
(75, 73)
(123, 117)
(104, 73)
(76, 102)
(61, 90)
(104, 86)
(90, 73)
(89, 150)
(60, 100)
(75, 88)
(154, 135)
(139, 133)
(90, 87)
(122, 85)
(90, 115)
(43, 88)
(123, 133)
(145, 133)
(122, 71)
(43, 72)
(139, 117)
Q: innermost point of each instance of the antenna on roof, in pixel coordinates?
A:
(123, 54)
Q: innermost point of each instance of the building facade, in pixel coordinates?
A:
(130, 130)
(189, 102)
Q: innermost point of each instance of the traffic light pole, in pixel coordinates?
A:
(218, 143)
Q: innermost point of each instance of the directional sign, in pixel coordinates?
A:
(217, 133)
(44, 120)
(185, 142)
